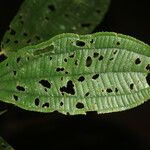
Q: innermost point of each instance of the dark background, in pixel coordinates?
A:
(122, 130)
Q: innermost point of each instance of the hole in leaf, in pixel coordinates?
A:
(108, 90)
(50, 58)
(20, 88)
(61, 103)
(37, 101)
(100, 58)
(51, 7)
(21, 22)
(71, 56)
(15, 97)
(65, 60)
(148, 79)
(69, 89)
(137, 61)
(87, 94)
(12, 32)
(81, 79)
(111, 59)
(95, 54)
(37, 37)
(88, 61)
(14, 72)
(18, 59)
(116, 90)
(16, 41)
(45, 105)
(131, 86)
(115, 52)
(148, 67)
(80, 43)
(7, 41)
(45, 83)
(60, 69)
(66, 72)
(2, 57)
(25, 34)
(28, 41)
(28, 58)
(66, 15)
(117, 43)
(46, 18)
(92, 41)
(80, 105)
(76, 62)
(98, 11)
(95, 76)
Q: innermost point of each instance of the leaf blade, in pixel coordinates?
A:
(103, 72)
(38, 21)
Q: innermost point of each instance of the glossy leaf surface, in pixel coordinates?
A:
(39, 20)
(70, 73)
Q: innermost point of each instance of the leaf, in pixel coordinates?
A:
(2, 112)
(4, 145)
(39, 20)
(70, 73)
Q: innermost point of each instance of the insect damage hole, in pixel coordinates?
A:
(16, 41)
(116, 90)
(117, 43)
(88, 61)
(131, 86)
(80, 105)
(137, 61)
(80, 43)
(20, 88)
(45, 105)
(37, 101)
(87, 94)
(81, 79)
(18, 59)
(2, 57)
(95, 54)
(14, 72)
(148, 79)
(45, 83)
(12, 32)
(95, 76)
(61, 103)
(148, 67)
(15, 97)
(51, 7)
(108, 90)
(100, 58)
(59, 69)
(69, 89)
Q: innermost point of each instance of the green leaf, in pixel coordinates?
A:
(39, 20)
(4, 145)
(70, 73)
